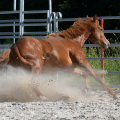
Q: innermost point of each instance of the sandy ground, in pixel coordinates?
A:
(18, 100)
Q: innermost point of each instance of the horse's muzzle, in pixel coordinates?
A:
(106, 45)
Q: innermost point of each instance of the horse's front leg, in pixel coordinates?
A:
(87, 67)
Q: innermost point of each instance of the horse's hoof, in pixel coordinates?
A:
(43, 98)
(64, 97)
(115, 97)
(84, 91)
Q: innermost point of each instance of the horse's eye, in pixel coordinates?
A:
(101, 29)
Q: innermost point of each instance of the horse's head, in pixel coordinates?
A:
(97, 35)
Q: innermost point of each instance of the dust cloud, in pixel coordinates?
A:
(17, 85)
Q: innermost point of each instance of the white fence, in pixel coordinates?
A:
(57, 17)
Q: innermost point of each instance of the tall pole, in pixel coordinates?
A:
(21, 17)
(102, 51)
(14, 8)
(50, 9)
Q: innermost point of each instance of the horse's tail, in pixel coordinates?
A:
(5, 57)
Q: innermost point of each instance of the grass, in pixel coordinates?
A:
(109, 65)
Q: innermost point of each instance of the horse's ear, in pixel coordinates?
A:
(95, 18)
(87, 17)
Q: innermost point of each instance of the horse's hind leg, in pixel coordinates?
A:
(86, 76)
(35, 70)
(28, 64)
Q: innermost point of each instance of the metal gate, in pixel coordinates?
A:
(21, 22)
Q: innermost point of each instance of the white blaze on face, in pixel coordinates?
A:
(104, 40)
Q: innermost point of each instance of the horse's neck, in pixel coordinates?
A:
(82, 38)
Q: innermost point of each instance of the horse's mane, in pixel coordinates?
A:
(79, 27)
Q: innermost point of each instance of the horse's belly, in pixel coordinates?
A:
(52, 66)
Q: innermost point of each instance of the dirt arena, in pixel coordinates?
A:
(18, 100)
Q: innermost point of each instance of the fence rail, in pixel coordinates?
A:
(84, 18)
(9, 12)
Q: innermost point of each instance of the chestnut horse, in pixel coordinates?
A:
(61, 51)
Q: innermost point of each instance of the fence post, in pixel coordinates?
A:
(58, 14)
(54, 16)
(48, 22)
(14, 8)
(21, 18)
(102, 51)
(50, 10)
